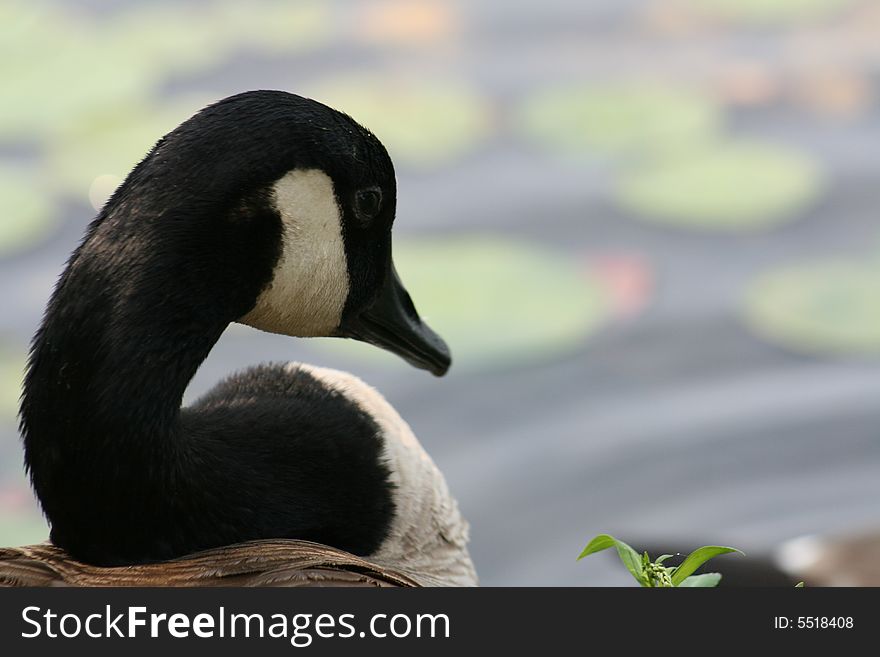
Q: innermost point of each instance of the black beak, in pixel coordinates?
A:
(391, 322)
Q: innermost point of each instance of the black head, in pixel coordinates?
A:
(327, 186)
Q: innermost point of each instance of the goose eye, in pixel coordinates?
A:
(369, 201)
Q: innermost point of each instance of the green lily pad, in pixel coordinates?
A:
(55, 67)
(275, 26)
(422, 124)
(731, 187)
(495, 301)
(11, 374)
(108, 144)
(832, 307)
(166, 38)
(619, 120)
(29, 215)
(22, 528)
(770, 11)
(181, 38)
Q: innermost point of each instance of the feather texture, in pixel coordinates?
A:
(255, 563)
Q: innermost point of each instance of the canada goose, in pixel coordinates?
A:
(275, 211)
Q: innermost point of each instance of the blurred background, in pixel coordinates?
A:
(647, 228)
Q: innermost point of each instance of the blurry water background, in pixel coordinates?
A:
(648, 228)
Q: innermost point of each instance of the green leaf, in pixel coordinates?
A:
(663, 557)
(706, 580)
(599, 543)
(696, 559)
(799, 585)
(628, 556)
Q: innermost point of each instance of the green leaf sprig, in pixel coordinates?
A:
(653, 573)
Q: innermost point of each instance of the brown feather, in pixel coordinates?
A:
(255, 563)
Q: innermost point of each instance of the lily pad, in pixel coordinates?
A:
(730, 187)
(108, 144)
(619, 119)
(181, 38)
(832, 307)
(497, 301)
(770, 11)
(11, 374)
(22, 528)
(166, 38)
(422, 124)
(29, 215)
(275, 26)
(55, 67)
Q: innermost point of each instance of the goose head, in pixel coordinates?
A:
(298, 201)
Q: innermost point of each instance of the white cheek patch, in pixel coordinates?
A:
(310, 283)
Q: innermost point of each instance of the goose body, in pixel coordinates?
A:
(271, 210)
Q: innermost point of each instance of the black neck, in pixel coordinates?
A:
(141, 303)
